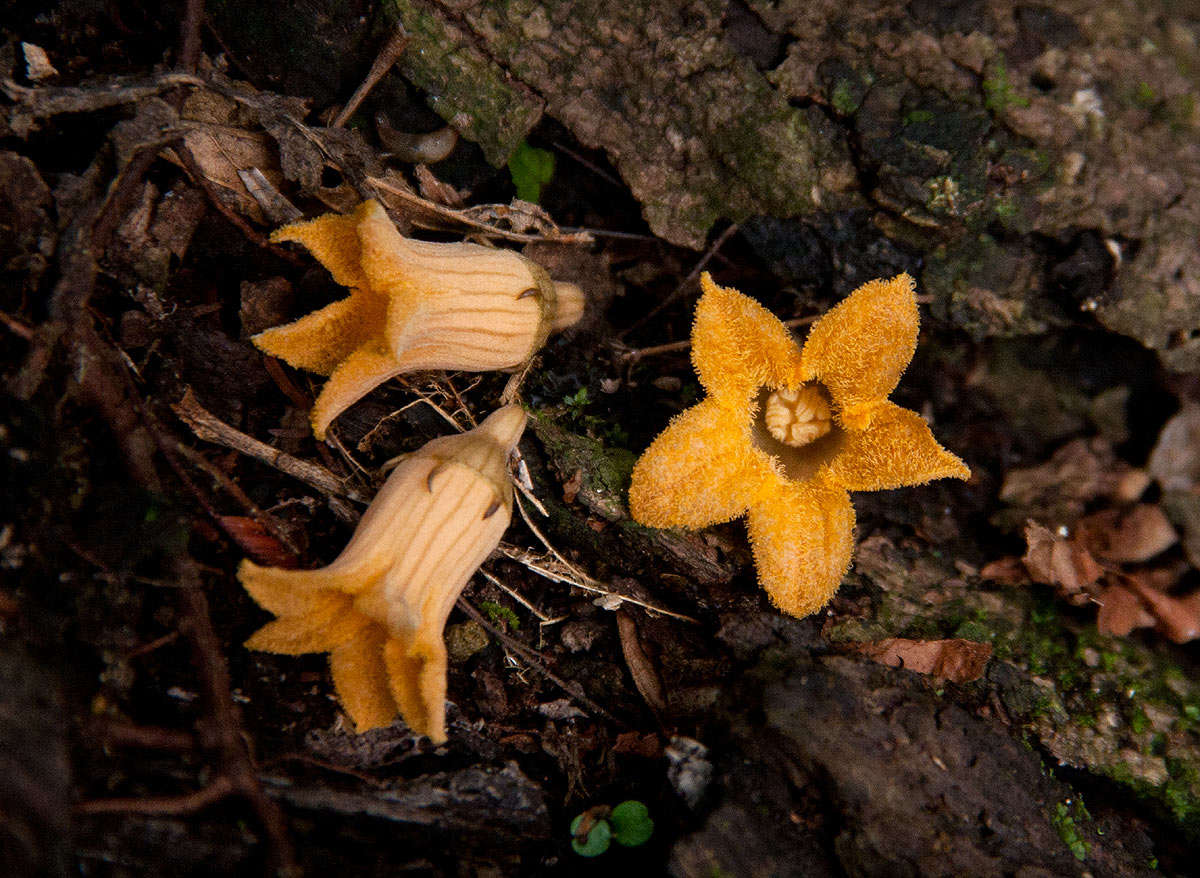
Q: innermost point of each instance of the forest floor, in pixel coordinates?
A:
(1006, 682)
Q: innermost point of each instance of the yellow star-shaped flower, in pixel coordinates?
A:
(380, 607)
(414, 305)
(786, 432)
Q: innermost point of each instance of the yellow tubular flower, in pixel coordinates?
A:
(379, 609)
(414, 305)
(786, 432)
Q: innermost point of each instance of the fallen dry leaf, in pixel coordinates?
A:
(1175, 461)
(1055, 560)
(254, 539)
(1007, 571)
(1121, 611)
(221, 151)
(647, 745)
(1130, 535)
(1177, 618)
(436, 190)
(956, 660)
(572, 485)
(1079, 472)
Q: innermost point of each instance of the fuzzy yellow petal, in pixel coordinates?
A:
(332, 239)
(360, 678)
(281, 591)
(417, 679)
(738, 345)
(802, 535)
(328, 623)
(701, 470)
(320, 340)
(896, 450)
(860, 348)
(356, 376)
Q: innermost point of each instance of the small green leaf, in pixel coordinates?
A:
(597, 840)
(631, 823)
(531, 169)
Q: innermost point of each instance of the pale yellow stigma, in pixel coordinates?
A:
(797, 417)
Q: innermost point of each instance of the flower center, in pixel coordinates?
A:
(797, 417)
(797, 428)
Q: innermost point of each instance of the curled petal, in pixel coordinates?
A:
(859, 349)
(356, 376)
(738, 345)
(283, 592)
(328, 623)
(361, 680)
(802, 534)
(333, 241)
(417, 678)
(701, 470)
(321, 340)
(897, 449)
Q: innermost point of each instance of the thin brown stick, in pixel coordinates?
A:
(573, 575)
(114, 733)
(463, 218)
(189, 36)
(17, 327)
(155, 644)
(535, 661)
(283, 381)
(590, 165)
(43, 102)
(220, 788)
(685, 284)
(210, 428)
(224, 733)
(268, 521)
(388, 55)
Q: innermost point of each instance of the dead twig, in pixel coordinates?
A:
(224, 733)
(535, 661)
(189, 35)
(221, 787)
(387, 57)
(114, 733)
(43, 102)
(562, 570)
(268, 521)
(464, 218)
(685, 284)
(210, 428)
(518, 597)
